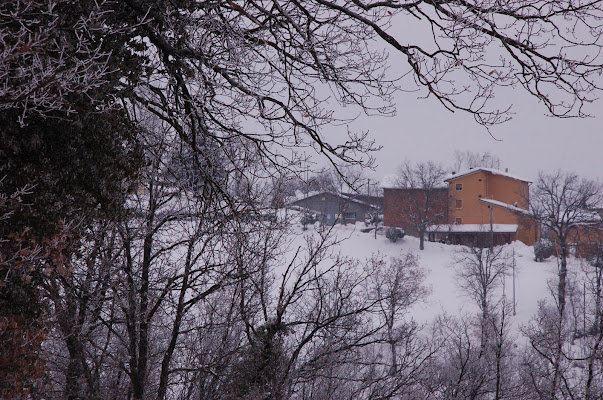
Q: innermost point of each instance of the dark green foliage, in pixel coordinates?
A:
(58, 174)
(78, 167)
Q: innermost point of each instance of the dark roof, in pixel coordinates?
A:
(344, 197)
(376, 201)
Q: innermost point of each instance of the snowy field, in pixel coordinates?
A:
(532, 279)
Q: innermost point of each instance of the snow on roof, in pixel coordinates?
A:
(347, 197)
(592, 215)
(350, 197)
(299, 195)
(490, 170)
(505, 205)
(473, 228)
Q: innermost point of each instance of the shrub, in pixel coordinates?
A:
(543, 250)
(308, 219)
(394, 234)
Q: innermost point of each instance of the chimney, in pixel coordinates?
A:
(506, 169)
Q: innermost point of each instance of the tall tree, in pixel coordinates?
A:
(427, 200)
(480, 273)
(468, 159)
(564, 203)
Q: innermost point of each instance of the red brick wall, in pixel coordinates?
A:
(397, 204)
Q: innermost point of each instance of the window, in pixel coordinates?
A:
(349, 215)
(459, 204)
(459, 187)
(458, 220)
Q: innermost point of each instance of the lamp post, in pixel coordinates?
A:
(491, 229)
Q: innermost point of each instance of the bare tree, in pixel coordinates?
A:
(79, 359)
(480, 273)
(590, 338)
(242, 86)
(400, 285)
(426, 202)
(546, 369)
(459, 370)
(564, 203)
(476, 357)
(563, 361)
(468, 159)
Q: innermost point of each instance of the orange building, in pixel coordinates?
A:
(586, 240)
(487, 203)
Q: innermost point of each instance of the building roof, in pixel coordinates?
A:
(373, 201)
(473, 228)
(347, 198)
(505, 205)
(490, 170)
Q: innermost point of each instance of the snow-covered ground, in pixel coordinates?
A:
(531, 278)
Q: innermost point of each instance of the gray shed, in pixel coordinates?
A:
(334, 208)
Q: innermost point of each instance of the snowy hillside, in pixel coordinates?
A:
(531, 278)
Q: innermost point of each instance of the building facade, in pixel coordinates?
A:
(402, 208)
(489, 204)
(485, 205)
(331, 208)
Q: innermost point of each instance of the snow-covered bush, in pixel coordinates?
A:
(543, 250)
(394, 234)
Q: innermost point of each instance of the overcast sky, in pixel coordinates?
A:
(423, 130)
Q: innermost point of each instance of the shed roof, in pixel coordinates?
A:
(473, 228)
(346, 198)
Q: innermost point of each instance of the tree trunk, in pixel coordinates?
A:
(143, 342)
(167, 357)
(561, 307)
(562, 277)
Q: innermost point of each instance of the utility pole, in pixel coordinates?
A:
(584, 309)
(306, 212)
(513, 267)
(491, 229)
